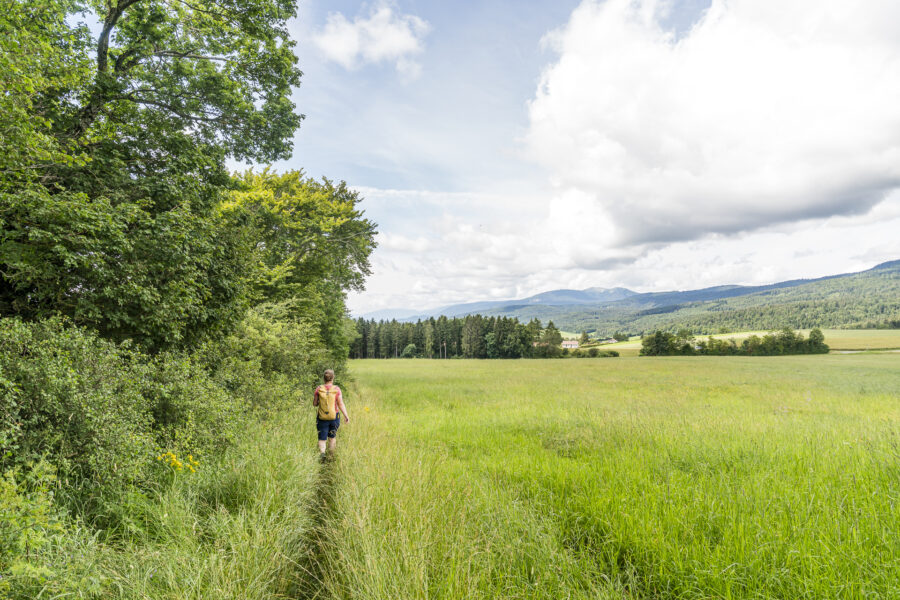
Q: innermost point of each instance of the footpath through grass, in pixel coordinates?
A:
(680, 477)
(242, 527)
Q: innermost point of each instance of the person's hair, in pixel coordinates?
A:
(329, 375)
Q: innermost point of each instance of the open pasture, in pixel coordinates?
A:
(678, 477)
(837, 339)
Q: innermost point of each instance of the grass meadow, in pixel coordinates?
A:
(676, 477)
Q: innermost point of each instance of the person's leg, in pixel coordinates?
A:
(332, 434)
(322, 429)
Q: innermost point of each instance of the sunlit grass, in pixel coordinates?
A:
(694, 477)
(239, 528)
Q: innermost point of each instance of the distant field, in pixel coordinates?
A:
(837, 339)
(676, 477)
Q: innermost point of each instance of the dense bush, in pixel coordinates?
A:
(89, 429)
(593, 353)
(101, 411)
(270, 359)
(75, 398)
(41, 551)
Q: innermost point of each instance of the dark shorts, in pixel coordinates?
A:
(327, 429)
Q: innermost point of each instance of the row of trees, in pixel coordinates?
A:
(473, 336)
(786, 341)
(150, 300)
(886, 324)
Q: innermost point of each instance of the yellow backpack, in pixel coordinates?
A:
(327, 401)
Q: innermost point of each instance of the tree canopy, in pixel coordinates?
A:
(115, 203)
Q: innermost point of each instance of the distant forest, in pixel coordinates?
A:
(473, 336)
(867, 300)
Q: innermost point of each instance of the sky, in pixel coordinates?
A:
(506, 148)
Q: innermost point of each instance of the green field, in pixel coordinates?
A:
(680, 477)
(837, 339)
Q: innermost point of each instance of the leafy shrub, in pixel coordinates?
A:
(190, 413)
(67, 394)
(40, 551)
(271, 360)
(100, 411)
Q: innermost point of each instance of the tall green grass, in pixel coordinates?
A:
(697, 477)
(239, 527)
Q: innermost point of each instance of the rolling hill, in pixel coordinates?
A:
(869, 298)
(587, 296)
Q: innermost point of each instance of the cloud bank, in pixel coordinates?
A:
(764, 112)
(759, 145)
(447, 248)
(381, 36)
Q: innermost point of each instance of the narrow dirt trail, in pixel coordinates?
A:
(314, 583)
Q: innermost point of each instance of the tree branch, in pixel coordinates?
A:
(121, 65)
(90, 112)
(170, 108)
(190, 55)
(112, 17)
(226, 14)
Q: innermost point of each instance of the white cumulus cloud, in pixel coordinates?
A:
(765, 112)
(381, 36)
(759, 145)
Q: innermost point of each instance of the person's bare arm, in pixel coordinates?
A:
(316, 397)
(340, 405)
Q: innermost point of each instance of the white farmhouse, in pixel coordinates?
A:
(570, 344)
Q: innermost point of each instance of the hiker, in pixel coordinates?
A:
(330, 403)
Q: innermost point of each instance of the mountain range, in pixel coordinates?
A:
(866, 298)
(564, 297)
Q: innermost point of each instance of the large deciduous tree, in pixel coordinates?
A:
(313, 244)
(113, 157)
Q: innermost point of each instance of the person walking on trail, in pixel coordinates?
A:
(330, 404)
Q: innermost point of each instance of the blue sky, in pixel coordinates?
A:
(506, 148)
(375, 127)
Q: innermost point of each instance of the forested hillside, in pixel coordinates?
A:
(153, 305)
(867, 299)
